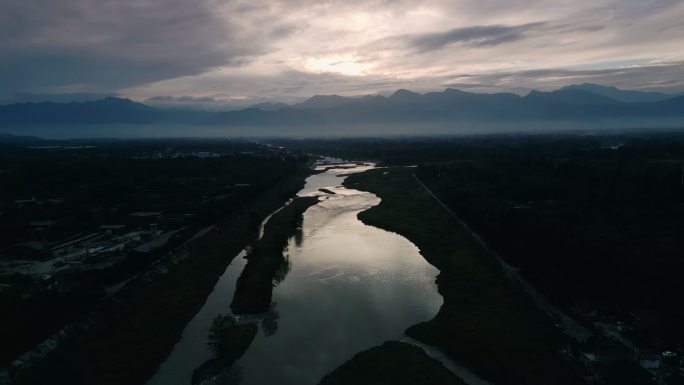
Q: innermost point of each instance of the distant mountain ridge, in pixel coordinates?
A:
(323, 101)
(626, 96)
(582, 103)
(110, 110)
(9, 138)
(575, 94)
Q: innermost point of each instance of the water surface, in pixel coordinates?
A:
(349, 287)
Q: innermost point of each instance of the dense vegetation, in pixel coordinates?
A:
(485, 322)
(193, 183)
(137, 331)
(88, 187)
(597, 225)
(266, 262)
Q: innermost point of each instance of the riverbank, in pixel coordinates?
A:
(265, 260)
(136, 330)
(485, 322)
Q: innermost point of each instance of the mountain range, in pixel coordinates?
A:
(583, 103)
(625, 96)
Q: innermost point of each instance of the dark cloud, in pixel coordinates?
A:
(487, 35)
(92, 45)
(491, 35)
(285, 30)
(572, 28)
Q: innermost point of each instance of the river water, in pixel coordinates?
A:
(349, 287)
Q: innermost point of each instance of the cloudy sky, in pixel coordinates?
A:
(222, 53)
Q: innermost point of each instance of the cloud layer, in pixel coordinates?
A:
(234, 53)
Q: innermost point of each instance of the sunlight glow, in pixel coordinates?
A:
(341, 64)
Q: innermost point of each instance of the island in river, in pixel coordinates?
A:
(255, 285)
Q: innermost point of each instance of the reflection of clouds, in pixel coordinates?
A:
(318, 217)
(232, 375)
(299, 237)
(282, 270)
(349, 274)
(269, 321)
(335, 274)
(326, 280)
(325, 275)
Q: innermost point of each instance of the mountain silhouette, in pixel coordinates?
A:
(402, 108)
(105, 111)
(625, 96)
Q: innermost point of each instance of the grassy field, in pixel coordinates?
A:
(485, 322)
(132, 336)
(393, 363)
(255, 286)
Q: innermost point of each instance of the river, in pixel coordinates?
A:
(349, 287)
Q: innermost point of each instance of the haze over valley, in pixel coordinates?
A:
(450, 112)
